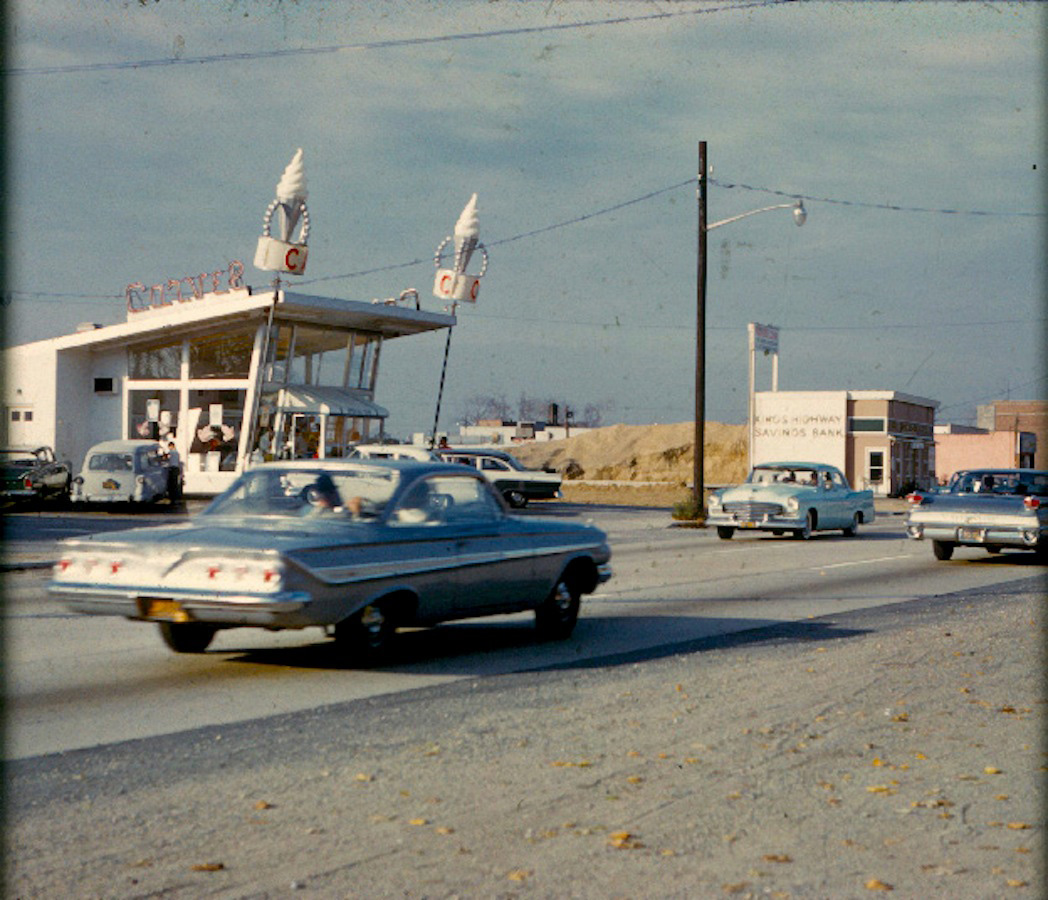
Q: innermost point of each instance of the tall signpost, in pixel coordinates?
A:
(763, 338)
(282, 253)
(455, 284)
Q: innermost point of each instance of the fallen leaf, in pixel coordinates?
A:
(362, 776)
(263, 805)
(519, 875)
(1015, 882)
(208, 867)
(880, 789)
(1018, 826)
(777, 857)
(418, 821)
(875, 884)
(635, 779)
(992, 770)
(736, 888)
(445, 829)
(901, 717)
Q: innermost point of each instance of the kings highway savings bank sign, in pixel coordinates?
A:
(800, 426)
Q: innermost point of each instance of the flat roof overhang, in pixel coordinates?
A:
(216, 312)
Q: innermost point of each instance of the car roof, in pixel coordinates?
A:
(474, 451)
(406, 466)
(123, 446)
(793, 465)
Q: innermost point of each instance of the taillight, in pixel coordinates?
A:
(914, 499)
(27, 483)
(1031, 502)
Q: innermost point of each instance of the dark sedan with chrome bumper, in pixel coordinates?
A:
(993, 509)
(359, 548)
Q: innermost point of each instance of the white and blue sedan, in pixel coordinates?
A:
(795, 497)
(358, 548)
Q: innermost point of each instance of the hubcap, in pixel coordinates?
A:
(563, 596)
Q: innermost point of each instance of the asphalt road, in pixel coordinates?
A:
(77, 682)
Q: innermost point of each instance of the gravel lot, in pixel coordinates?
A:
(869, 752)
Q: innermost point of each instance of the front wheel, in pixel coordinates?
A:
(942, 549)
(187, 637)
(851, 530)
(804, 533)
(724, 532)
(368, 636)
(555, 619)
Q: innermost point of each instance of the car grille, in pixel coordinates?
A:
(752, 510)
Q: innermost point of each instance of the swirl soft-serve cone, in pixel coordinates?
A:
(282, 254)
(456, 284)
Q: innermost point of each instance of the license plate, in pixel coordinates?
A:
(111, 484)
(163, 608)
(971, 534)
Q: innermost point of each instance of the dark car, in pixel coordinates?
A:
(517, 483)
(989, 508)
(33, 475)
(358, 548)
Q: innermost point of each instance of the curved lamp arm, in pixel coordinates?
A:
(800, 214)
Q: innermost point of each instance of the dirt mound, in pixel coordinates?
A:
(642, 453)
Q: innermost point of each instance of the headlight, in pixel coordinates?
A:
(792, 505)
(714, 502)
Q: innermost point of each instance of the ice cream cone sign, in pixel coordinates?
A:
(280, 252)
(455, 283)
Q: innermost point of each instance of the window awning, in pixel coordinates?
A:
(328, 401)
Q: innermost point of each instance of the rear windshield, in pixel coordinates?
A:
(111, 462)
(360, 492)
(1022, 483)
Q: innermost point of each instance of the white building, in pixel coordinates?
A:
(881, 440)
(229, 376)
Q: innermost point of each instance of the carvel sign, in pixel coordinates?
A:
(168, 293)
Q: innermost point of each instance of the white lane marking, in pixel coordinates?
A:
(863, 562)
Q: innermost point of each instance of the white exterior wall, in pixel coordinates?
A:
(800, 426)
(29, 383)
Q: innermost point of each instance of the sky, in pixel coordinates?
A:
(145, 140)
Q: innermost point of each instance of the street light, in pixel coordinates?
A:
(800, 215)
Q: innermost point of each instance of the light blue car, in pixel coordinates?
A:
(795, 497)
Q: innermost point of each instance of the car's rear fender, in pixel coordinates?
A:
(400, 603)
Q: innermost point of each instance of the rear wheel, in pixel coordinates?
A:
(724, 532)
(516, 499)
(555, 619)
(367, 636)
(851, 530)
(187, 637)
(942, 549)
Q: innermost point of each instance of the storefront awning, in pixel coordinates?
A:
(327, 401)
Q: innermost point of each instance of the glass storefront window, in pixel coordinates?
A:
(152, 414)
(157, 361)
(221, 356)
(217, 419)
(322, 357)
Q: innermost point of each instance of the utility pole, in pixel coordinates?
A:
(698, 487)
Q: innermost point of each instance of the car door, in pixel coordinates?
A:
(494, 557)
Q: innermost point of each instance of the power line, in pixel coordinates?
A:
(575, 220)
(251, 55)
(892, 207)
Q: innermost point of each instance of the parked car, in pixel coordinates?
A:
(33, 475)
(517, 483)
(795, 497)
(122, 472)
(359, 548)
(988, 508)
